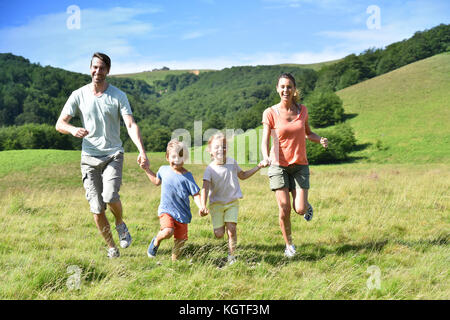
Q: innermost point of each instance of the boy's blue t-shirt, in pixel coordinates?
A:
(175, 191)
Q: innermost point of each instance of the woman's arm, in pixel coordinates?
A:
(311, 136)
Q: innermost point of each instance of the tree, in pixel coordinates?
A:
(325, 108)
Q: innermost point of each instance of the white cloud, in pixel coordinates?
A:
(197, 34)
(47, 39)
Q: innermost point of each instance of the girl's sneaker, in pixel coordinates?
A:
(309, 213)
(113, 253)
(152, 249)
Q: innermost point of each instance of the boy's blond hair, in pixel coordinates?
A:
(178, 146)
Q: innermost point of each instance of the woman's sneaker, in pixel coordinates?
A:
(124, 235)
(113, 253)
(309, 213)
(152, 249)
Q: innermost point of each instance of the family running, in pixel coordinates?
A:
(100, 105)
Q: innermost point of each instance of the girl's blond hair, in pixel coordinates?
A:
(217, 136)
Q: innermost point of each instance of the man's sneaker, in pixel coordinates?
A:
(152, 249)
(124, 235)
(290, 251)
(309, 213)
(231, 260)
(113, 253)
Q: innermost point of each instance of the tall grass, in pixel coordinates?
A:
(392, 216)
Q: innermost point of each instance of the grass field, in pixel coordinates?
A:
(394, 217)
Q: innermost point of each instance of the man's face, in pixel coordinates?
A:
(99, 70)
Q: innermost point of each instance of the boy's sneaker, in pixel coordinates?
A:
(152, 249)
(309, 213)
(113, 253)
(124, 235)
(290, 251)
(231, 260)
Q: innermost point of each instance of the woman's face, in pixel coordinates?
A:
(286, 89)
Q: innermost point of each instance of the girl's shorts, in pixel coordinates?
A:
(221, 213)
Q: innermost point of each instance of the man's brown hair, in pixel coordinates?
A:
(102, 57)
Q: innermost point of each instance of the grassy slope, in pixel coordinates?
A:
(152, 76)
(403, 116)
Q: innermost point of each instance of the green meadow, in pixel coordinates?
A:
(380, 230)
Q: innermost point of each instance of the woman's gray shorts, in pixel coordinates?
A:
(102, 177)
(295, 176)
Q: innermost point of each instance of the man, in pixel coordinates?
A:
(99, 105)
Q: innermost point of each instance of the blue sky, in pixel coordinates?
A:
(207, 34)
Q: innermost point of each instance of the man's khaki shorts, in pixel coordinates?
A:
(102, 177)
(295, 176)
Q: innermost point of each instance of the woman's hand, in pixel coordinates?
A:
(324, 142)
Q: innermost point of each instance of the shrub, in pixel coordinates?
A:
(324, 108)
(341, 141)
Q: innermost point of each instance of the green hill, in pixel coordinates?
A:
(403, 116)
(151, 76)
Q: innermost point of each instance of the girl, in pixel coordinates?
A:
(287, 123)
(174, 212)
(220, 183)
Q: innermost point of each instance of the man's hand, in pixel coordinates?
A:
(79, 132)
(143, 161)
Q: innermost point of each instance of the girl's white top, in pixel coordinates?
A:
(224, 182)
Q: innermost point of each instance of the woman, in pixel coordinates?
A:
(287, 123)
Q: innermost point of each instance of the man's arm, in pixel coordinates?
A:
(135, 135)
(63, 126)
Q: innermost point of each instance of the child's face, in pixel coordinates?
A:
(176, 158)
(218, 149)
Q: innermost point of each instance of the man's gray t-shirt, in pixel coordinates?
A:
(100, 116)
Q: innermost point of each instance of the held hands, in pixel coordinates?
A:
(143, 161)
(203, 211)
(324, 142)
(264, 163)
